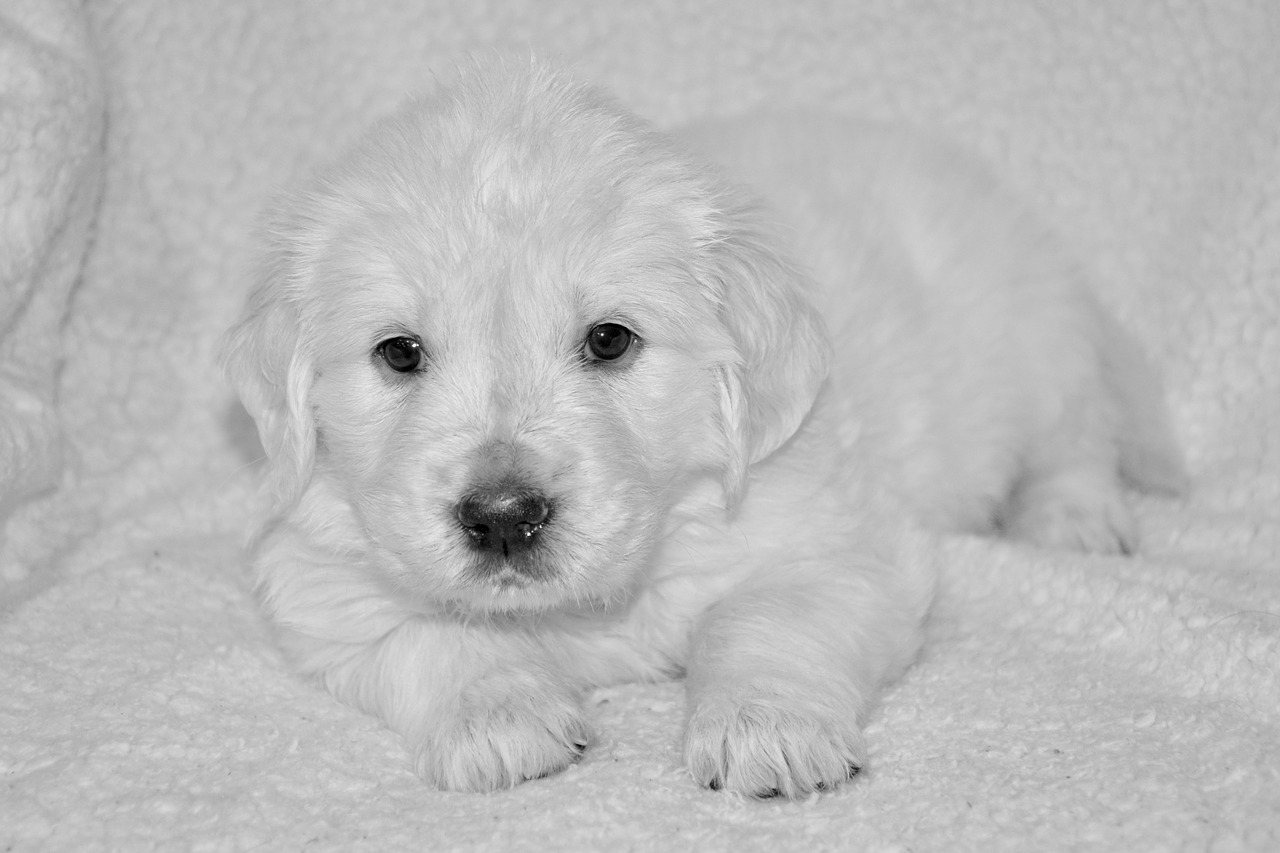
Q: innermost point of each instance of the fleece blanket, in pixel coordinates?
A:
(1063, 701)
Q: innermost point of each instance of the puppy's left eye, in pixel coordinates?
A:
(609, 342)
(403, 354)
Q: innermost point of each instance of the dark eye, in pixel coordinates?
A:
(608, 341)
(403, 355)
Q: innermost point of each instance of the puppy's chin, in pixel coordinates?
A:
(505, 596)
(509, 591)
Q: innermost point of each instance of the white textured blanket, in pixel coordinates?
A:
(1063, 702)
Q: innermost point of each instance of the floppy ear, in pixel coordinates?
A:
(263, 358)
(782, 345)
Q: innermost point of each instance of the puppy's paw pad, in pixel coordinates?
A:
(763, 748)
(492, 741)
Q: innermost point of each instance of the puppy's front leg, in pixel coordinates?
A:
(480, 705)
(783, 670)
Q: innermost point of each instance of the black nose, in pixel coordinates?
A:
(504, 520)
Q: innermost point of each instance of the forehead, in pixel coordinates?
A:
(448, 216)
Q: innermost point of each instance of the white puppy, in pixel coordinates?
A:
(546, 404)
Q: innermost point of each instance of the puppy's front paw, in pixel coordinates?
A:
(763, 744)
(500, 732)
(1096, 521)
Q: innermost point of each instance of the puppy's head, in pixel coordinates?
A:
(512, 328)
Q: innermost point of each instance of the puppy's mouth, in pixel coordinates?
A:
(518, 572)
(509, 588)
(513, 589)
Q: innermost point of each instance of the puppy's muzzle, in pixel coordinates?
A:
(506, 521)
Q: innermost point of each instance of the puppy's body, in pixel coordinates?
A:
(973, 370)
(464, 547)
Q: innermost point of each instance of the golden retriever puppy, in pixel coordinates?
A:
(549, 402)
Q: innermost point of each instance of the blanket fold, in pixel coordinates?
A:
(51, 132)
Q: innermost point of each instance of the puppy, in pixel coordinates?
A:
(550, 403)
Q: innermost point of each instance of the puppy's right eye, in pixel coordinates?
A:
(402, 354)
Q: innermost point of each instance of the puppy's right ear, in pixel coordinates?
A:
(265, 361)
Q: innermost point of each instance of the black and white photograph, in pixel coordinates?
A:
(639, 426)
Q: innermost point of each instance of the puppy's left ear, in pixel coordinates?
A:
(263, 357)
(782, 345)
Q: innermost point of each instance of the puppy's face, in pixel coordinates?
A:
(515, 370)
(499, 329)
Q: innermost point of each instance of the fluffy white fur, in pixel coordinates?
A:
(729, 500)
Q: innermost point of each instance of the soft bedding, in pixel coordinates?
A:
(1063, 701)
